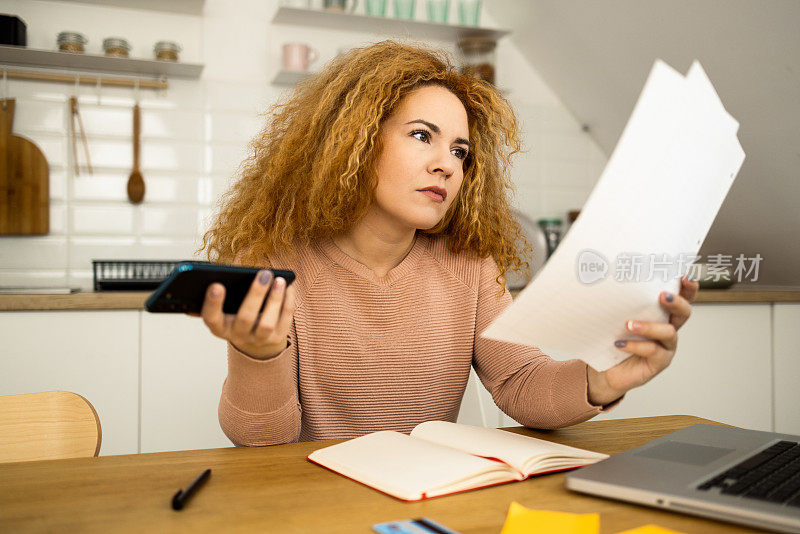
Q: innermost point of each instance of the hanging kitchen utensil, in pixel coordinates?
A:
(135, 180)
(76, 116)
(24, 181)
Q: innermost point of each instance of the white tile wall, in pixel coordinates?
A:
(165, 188)
(102, 185)
(58, 183)
(565, 173)
(35, 253)
(110, 220)
(33, 278)
(58, 219)
(195, 134)
(170, 221)
(557, 201)
(38, 116)
(231, 127)
(83, 249)
(184, 125)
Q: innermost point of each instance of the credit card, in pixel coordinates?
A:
(422, 525)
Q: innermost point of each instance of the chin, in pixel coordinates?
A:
(426, 223)
(427, 226)
(421, 218)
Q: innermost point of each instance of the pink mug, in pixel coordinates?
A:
(298, 56)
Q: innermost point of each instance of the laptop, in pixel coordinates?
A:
(741, 476)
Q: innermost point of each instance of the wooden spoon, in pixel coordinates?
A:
(135, 180)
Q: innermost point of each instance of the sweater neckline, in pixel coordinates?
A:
(405, 267)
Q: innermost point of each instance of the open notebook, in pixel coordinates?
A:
(440, 458)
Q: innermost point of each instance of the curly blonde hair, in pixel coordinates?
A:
(311, 172)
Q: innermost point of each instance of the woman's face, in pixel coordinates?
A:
(421, 166)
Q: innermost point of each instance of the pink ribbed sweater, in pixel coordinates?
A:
(369, 354)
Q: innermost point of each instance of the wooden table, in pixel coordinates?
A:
(134, 300)
(275, 489)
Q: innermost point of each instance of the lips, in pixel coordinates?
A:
(439, 194)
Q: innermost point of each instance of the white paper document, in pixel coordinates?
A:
(640, 229)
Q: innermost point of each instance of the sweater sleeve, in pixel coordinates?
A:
(525, 383)
(259, 403)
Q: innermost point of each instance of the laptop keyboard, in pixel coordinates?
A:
(772, 475)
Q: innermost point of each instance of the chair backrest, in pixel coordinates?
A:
(47, 426)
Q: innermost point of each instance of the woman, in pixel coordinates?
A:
(382, 183)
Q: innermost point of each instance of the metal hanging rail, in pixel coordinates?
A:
(85, 79)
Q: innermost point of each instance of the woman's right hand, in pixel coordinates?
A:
(259, 336)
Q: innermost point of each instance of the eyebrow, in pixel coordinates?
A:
(437, 130)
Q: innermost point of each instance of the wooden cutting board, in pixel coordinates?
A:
(24, 181)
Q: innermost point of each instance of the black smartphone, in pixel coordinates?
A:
(184, 289)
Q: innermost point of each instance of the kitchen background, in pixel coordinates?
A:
(195, 133)
(155, 379)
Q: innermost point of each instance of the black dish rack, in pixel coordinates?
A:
(131, 275)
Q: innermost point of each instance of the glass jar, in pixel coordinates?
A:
(116, 47)
(552, 233)
(71, 42)
(166, 51)
(478, 57)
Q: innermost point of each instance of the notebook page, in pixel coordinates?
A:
(514, 449)
(409, 468)
(655, 200)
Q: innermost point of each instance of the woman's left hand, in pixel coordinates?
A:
(649, 357)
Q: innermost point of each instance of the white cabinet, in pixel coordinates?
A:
(478, 407)
(786, 345)
(721, 371)
(183, 368)
(92, 353)
(155, 380)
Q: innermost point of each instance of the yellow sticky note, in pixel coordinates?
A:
(650, 529)
(521, 520)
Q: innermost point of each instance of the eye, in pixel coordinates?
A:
(422, 135)
(460, 153)
(425, 137)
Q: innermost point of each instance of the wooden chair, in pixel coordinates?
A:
(47, 426)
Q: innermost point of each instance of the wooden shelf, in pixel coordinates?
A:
(186, 7)
(31, 57)
(381, 25)
(288, 78)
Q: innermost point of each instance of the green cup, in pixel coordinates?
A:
(376, 8)
(405, 9)
(469, 12)
(438, 11)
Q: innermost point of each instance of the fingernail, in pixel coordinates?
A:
(620, 343)
(280, 282)
(264, 277)
(634, 325)
(669, 297)
(214, 290)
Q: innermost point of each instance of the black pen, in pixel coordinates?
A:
(180, 498)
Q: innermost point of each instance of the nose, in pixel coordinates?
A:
(442, 162)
